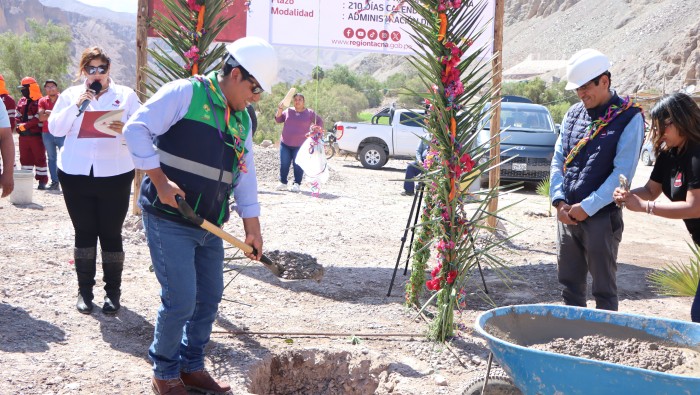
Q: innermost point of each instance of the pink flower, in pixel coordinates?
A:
(467, 163)
(433, 285)
(193, 53)
(436, 270)
(451, 276)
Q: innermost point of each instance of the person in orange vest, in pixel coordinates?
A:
(32, 153)
(9, 101)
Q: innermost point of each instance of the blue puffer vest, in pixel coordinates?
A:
(199, 158)
(594, 163)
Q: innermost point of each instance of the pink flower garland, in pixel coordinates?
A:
(193, 56)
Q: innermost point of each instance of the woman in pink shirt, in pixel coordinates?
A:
(297, 123)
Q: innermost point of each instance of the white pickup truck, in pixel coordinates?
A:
(374, 143)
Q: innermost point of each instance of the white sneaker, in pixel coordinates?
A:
(281, 187)
(295, 187)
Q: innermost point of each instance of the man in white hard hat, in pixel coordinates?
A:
(203, 153)
(600, 139)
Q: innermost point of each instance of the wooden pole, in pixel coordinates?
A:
(497, 67)
(141, 62)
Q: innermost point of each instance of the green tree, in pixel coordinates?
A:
(341, 74)
(411, 95)
(42, 53)
(372, 89)
(317, 73)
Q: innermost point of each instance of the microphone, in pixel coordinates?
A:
(95, 88)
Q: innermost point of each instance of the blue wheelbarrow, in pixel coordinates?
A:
(510, 330)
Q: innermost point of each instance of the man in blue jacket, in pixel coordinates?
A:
(600, 139)
(203, 153)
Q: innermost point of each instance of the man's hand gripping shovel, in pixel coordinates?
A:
(188, 213)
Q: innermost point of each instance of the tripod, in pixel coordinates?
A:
(415, 207)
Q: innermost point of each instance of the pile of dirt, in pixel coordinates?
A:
(297, 265)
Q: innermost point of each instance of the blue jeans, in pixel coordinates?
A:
(695, 308)
(287, 155)
(188, 263)
(412, 171)
(52, 145)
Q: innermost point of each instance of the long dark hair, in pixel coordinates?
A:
(682, 111)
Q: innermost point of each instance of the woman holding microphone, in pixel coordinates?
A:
(95, 171)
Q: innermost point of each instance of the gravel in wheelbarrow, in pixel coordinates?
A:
(296, 265)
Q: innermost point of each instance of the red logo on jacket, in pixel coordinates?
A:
(678, 182)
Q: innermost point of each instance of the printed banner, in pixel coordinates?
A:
(234, 30)
(360, 25)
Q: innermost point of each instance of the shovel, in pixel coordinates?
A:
(188, 213)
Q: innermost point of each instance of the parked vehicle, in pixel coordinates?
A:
(391, 133)
(648, 157)
(528, 135)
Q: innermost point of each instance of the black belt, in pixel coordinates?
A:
(24, 134)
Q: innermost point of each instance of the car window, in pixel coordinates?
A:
(524, 119)
(411, 119)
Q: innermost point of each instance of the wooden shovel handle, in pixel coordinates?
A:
(227, 236)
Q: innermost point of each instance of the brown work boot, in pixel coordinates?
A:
(202, 381)
(168, 387)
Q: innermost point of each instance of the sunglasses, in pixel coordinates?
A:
(101, 69)
(257, 89)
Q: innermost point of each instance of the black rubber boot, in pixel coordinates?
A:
(85, 259)
(112, 266)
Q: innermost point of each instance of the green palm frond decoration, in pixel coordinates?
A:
(678, 279)
(543, 190)
(457, 90)
(188, 49)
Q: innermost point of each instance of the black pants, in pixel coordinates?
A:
(97, 207)
(590, 247)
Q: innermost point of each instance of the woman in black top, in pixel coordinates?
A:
(676, 139)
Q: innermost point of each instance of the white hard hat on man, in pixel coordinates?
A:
(257, 57)
(584, 66)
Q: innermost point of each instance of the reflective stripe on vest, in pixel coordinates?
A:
(193, 167)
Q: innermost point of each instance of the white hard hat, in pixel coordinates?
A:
(584, 66)
(258, 58)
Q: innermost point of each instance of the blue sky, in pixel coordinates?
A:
(114, 5)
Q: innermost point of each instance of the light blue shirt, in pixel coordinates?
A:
(626, 157)
(163, 110)
(4, 118)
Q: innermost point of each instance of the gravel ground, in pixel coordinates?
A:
(344, 329)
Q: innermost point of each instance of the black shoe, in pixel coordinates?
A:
(111, 305)
(84, 305)
(54, 186)
(407, 193)
(42, 186)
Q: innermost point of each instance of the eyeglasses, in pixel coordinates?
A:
(101, 69)
(586, 86)
(257, 89)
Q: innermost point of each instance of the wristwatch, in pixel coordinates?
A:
(555, 203)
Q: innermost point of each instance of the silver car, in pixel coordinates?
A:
(648, 157)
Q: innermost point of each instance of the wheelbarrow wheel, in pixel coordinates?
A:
(499, 384)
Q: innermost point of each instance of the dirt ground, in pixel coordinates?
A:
(353, 229)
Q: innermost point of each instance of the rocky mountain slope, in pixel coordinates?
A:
(653, 43)
(114, 31)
